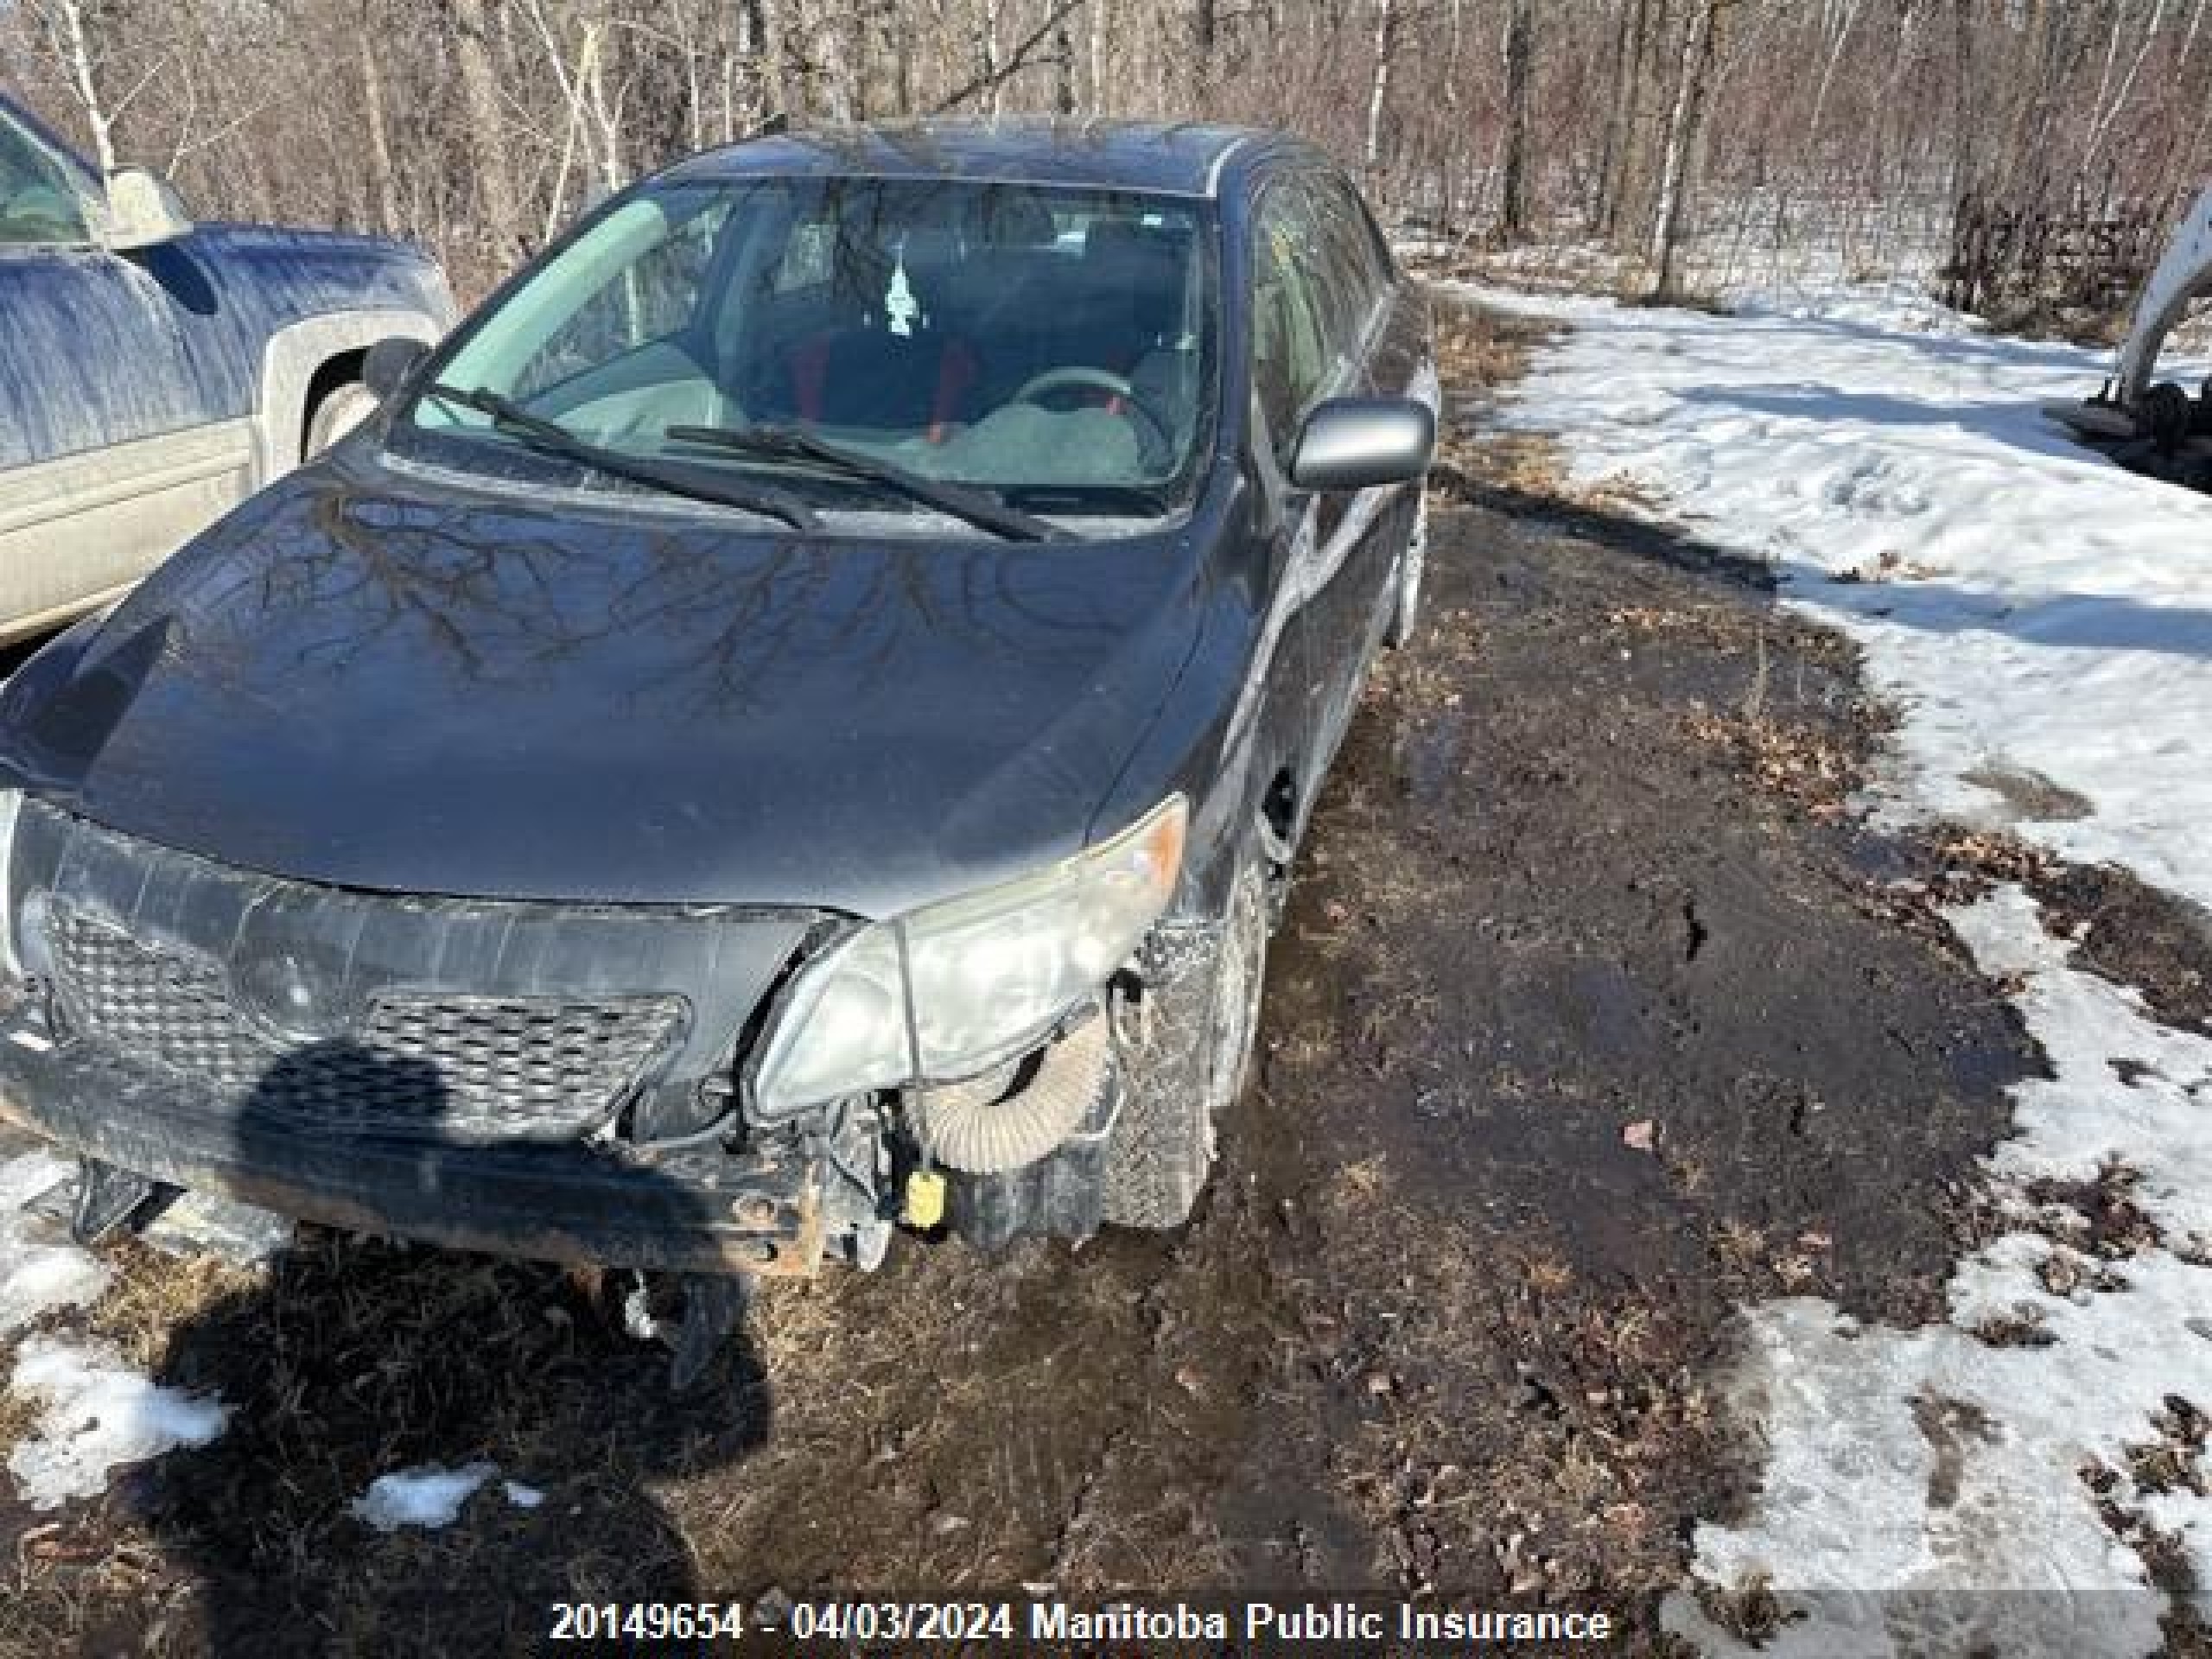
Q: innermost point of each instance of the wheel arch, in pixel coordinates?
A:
(297, 370)
(333, 374)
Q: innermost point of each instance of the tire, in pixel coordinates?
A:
(344, 407)
(1191, 1060)
(2165, 412)
(1406, 612)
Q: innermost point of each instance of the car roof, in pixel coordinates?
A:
(1182, 158)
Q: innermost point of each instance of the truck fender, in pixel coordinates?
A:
(288, 363)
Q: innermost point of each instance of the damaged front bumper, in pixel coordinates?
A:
(565, 1082)
(703, 1210)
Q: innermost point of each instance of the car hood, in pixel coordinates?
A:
(385, 682)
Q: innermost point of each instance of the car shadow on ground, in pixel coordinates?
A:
(1641, 538)
(353, 1358)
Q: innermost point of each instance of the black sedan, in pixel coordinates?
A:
(795, 719)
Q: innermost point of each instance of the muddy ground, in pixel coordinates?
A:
(1594, 1013)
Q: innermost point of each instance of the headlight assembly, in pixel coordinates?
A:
(956, 988)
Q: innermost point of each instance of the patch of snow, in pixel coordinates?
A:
(426, 1496)
(97, 1414)
(431, 1496)
(39, 1272)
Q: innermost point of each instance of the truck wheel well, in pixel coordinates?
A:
(337, 371)
(1279, 818)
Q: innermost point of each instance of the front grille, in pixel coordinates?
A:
(460, 1067)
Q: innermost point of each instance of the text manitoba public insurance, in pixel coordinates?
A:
(1263, 1623)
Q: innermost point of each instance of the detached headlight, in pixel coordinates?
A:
(956, 988)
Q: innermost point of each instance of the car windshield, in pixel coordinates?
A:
(1054, 349)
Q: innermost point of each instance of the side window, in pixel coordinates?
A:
(1354, 250)
(1376, 244)
(1292, 357)
(38, 203)
(1342, 311)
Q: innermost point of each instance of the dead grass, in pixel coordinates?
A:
(1812, 767)
(1969, 862)
(2099, 1216)
(2175, 1460)
(1477, 352)
(18, 1412)
(153, 1294)
(2065, 1272)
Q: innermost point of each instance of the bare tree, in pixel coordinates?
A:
(497, 201)
(1616, 160)
(1698, 29)
(1379, 87)
(1520, 50)
(72, 44)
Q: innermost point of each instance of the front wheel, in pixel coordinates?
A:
(1188, 1059)
(342, 409)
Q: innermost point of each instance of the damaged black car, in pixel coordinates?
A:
(793, 720)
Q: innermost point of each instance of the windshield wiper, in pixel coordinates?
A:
(556, 439)
(976, 506)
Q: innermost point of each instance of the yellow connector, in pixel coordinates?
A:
(924, 1200)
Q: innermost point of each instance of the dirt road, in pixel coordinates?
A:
(1594, 1015)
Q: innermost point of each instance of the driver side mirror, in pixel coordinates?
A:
(389, 362)
(1356, 443)
(143, 210)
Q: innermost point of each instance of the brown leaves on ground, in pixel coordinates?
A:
(1979, 857)
(2099, 1216)
(1477, 351)
(1806, 764)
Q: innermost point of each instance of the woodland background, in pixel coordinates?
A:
(1870, 126)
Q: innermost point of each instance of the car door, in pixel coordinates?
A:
(1290, 366)
(1380, 357)
(1310, 319)
(111, 451)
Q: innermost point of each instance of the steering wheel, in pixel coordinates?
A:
(1152, 435)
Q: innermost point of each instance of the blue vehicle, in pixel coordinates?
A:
(153, 373)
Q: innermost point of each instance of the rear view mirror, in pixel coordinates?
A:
(1356, 443)
(389, 362)
(144, 210)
